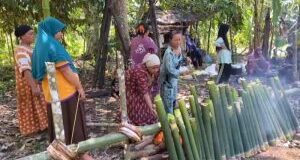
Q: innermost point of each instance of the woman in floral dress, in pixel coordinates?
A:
(139, 83)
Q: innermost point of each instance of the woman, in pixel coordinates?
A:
(139, 82)
(257, 64)
(31, 106)
(169, 71)
(224, 60)
(48, 48)
(141, 45)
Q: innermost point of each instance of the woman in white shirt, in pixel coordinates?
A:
(224, 60)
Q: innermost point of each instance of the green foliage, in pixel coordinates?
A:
(7, 79)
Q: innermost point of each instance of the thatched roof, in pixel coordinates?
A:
(171, 17)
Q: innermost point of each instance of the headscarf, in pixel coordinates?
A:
(21, 30)
(151, 60)
(47, 48)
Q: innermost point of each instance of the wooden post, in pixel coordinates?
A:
(122, 87)
(55, 104)
(154, 23)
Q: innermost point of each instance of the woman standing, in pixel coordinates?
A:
(169, 71)
(48, 48)
(224, 60)
(141, 45)
(32, 114)
(139, 82)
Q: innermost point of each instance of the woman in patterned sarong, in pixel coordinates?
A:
(31, 106)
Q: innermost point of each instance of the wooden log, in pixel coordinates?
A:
(147, 140)
(151, 150)
(156, 157)
(99, 142)
(55, 103)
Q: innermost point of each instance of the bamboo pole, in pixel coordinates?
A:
(162, 115)
(122, 87)
(55, 103)
(176, 137)
(99, 142)
(46, 8)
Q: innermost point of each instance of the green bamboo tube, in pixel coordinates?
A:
(260, 119)
(187, 124)
(241, 122)
(229, 95)
(176, 137)
(208, 128)
(268, 125)
(183, 132)
(284, 114)
(196, 132)
(288, 106)
(252, 123)
(227, 121)
(236, 132)
(202, 138)
(220, 122)
(278, 133)
(276, 110)
(162, 115)
(214, 129)
(199, 138)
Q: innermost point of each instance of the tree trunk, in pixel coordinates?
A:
(208, 37)
(103, 46)
(122, 88)
(46, 8)
(256, 25)
(119, 12)
(271, 41)
(154, 23)
(266, 37)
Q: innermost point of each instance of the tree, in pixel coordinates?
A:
(119, 11)
(103, 45)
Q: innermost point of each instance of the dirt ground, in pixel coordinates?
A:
(101, 108)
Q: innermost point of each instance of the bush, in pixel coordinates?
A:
(7, 79)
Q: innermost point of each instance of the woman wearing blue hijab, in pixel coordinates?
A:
(48, 48)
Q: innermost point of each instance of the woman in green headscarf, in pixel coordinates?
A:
(48, 48)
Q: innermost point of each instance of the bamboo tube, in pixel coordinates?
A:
(183, 132)
(236, 134)
(187, 124)
(227, 121)
(222, 133)
(176, 137)
(241, 122)
(251, 121)
(201, 137)
(288, 106)
(162, 115)
(208, 128)
(99, 142)
(215, 136)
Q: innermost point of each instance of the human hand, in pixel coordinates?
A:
(188, 60)
(81, 94)
(36, 91)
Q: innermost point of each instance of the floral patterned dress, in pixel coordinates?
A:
(32, 113)
(138, 83)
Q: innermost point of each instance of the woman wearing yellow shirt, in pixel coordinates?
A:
(48, 48)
